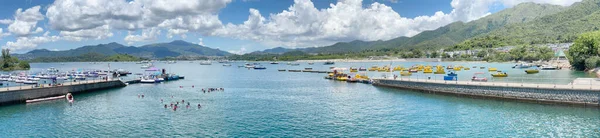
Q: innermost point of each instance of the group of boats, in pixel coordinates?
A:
(353, 77)
(53, 74)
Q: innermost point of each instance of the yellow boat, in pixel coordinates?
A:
(398, 68)
(492, 69)
(374, 68)
(532, 71)
(342, 78)
(500, 74)
(384, 69)
(353, 69)
(428, 70)
(439, 70)
(358, 76)
(405, 73)
(467, 68)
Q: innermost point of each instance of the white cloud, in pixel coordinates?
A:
(239, 52)
(181, 32)
(201, 42)
(147, 35)
(31, 42)
(303, 25)
(6, 21)
(100, 32)
(2, 34)
(25, 22)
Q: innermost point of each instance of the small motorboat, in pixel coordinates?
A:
(548, 67)
(427, 70)
(281, 70)
(532, 71)
(329, 63)
(374, 68)
(479, 77)
(227, 65)
(452, 74)
(205, 63)
(69, 97)
(362, 69)
(147, 80)
(500, 74)
(481, 67)
(521, 66)
(492, 69)
(311, 63)
(353, 69)
(274, 62)
(308, 68)
(259, 67)
(30, 82)
(295, 64)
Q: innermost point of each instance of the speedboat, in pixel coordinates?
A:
(362, 69)
(353, 69)
(147, 80)
(146, 66)
(205, 63)
(479, 77)
(259, 67)
(80, 77)
(329, 63)
(227, 65)
(521, 66)
(30, 82)
(548, 67)
(532, 71)
(500, 74)
(311, 63)
(274, 62)
(492, 69)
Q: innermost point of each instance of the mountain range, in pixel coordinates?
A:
(175, 48)
(526, 23)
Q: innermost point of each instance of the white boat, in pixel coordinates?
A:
(205, 63)
(521, 66)
(548, 67)
(146, 66)
(147, 80)
(33, 79)
(30, 82)
(70, 98)
(227, 65)
(80, 77)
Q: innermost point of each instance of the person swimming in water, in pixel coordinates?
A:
(142, 96)
(165, 106)
(199, 106)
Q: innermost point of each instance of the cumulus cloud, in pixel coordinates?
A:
(31, 42)
(25, 21)
(303, 25)
(6, 21)
(2, 34)
(201, 42)
(147, 35)
(100, 32)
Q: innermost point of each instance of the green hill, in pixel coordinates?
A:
(561, 27)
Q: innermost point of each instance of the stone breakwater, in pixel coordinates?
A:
(21, 94)
(538, 94)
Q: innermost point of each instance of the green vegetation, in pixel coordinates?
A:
(585, 52)
(12, 63)
(89, 57)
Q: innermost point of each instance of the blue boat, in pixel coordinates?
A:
(452, 74)
(259, 67)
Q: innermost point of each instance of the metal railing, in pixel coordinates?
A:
(558, 83)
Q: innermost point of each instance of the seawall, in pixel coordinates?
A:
(546, 94)
(21, 94)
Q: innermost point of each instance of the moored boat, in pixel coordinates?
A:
(532, 71)
(500, 74)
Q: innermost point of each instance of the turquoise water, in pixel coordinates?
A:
(283, 104)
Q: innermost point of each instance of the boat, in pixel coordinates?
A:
(122, 72)
(362, 69)
(146, 66)
(274, 63)
(205, 63)
(532, 71)
(405, 73)
(385, 69)
(69, 97)
(295, 64)
(492, 69)
(227, 65)
(147, 80)
(439, 70)
(449, 67)
(311, 63)
(353, 69)
(80, 77)
(479, 77)
(521, 66)
(374, 68)
(452, 74)
(30, 82)
(308, 68)
(458, 68)
(466, 68)
(413, 70)
(329, 63)
(481, 67)
(281, 70)
(427, 70)
(329, 76)
(500, 74)
(259, 67)
(398, 68)
(548, 67)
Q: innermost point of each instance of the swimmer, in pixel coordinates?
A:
(142, 96)
(138, 95)
(199, 106)
(165, 105)
(182, 101)
(177, 103)
(171, 105)
(161, 100)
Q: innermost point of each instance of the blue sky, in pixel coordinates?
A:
(229, 25)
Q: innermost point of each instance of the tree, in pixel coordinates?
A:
(482, 53)
(434, 54)
(585, 46)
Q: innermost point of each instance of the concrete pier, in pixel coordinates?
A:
(585, 95)
(19, 94)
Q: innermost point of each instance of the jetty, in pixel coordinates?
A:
(20, 94)
(582, 92)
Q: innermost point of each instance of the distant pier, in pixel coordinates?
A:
(569, 94)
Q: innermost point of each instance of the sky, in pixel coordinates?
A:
(236, 26)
